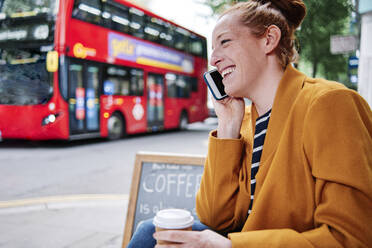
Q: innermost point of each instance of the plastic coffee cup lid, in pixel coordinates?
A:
(173, 219)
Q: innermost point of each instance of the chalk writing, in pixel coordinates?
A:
(166, 186)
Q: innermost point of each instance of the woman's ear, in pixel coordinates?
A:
(272, 37)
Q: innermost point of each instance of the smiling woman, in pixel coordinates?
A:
(274, 176)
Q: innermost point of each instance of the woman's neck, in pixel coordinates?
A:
(264, 95)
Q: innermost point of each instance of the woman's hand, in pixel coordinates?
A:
(230, 113)
(192, 239)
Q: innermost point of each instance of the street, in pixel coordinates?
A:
(39, 169)
(82, 186)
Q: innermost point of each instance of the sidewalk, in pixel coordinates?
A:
(64, 221)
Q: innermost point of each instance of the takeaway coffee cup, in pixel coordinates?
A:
(173, 219)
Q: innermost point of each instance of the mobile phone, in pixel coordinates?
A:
(214, 81)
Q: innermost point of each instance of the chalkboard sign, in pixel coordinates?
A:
(161, 181)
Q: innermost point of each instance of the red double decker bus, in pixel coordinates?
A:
(74, 69)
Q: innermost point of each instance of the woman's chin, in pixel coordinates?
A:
(228, 91)
(232, 93)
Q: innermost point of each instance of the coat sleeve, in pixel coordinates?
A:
(337, 144)
(219, 187)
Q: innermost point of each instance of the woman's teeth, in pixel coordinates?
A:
(227, 71)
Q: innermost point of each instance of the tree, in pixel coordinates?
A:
(324, 18)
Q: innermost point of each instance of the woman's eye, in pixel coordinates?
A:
(224, 41)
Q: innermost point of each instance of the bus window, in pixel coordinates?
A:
(153, 29)
(137, 22)
(166, 35)
(195, 45)
(204, 44)
(76, 98)
(92, 98)
(136, 82)
(125, 89)
(87, 10)
(12, 8)
(155, 103)
(178, 86)
(125, 81)
(118, 78)
(193, 83)
(116, 16)
(106, 15)
(183, 88)
(181, 38)
(76, 78)
(157, 30)
(171, 84)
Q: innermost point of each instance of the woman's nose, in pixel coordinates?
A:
(215, 58)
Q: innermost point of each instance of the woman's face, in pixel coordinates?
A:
(238, 55)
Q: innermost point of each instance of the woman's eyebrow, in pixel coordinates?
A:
(221, 34)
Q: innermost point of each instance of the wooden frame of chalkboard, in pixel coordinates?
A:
(159, 158)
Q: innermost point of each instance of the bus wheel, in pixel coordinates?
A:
(115, 126)
(184, 121)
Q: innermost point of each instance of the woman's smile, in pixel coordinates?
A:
(227, 71)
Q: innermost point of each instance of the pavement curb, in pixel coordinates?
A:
(63, 201)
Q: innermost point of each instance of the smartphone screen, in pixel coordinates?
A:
(214, 81)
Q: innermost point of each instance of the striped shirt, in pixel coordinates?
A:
(259, 137)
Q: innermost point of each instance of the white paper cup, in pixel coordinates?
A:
(173, 219)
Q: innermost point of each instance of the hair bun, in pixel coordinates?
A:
(293, 10)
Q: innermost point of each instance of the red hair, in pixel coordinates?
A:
(287, 15)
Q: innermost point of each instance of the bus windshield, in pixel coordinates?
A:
(24, 8)
(24, 79)
(24, 21)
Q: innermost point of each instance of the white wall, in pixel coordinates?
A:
(365, 59)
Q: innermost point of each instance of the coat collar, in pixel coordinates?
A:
(288, 89)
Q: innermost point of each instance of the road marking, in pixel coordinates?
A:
(63, 199)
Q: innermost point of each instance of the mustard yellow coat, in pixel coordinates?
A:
(314, 184)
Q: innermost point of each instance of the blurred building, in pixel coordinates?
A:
(365, 59)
